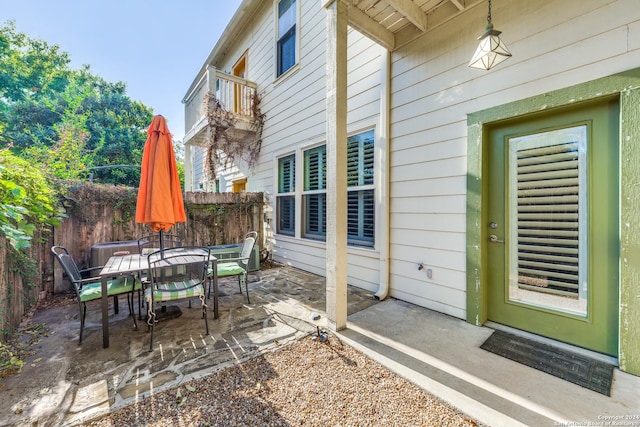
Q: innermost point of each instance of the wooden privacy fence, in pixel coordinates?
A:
(102, 214)
(22, 278)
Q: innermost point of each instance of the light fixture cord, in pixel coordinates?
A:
(489, 15)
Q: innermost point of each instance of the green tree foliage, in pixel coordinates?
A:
(69, 120)
(67, 158)
(27, 200)
(29, 68)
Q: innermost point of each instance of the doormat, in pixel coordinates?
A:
(573, 367)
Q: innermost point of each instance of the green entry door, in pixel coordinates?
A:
(552, 225)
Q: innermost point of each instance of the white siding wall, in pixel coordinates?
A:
(555, 44)
(295, 109)
(199, 155)
(224, 176)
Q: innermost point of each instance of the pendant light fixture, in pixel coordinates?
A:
(491, 51)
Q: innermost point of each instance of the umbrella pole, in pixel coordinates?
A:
(175, 311)
(161, 243)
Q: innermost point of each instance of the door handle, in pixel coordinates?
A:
(494, 239)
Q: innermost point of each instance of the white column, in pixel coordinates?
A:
(336, 91)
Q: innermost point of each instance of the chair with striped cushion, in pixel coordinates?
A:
(89, 289)
(176, 274)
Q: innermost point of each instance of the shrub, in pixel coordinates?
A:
(27, 200)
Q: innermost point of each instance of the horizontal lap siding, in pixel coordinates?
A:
(295, 107)
(304, 254)
(555, 44)
(429, 221)
(363, 104)
(295, 103)
(301, 254)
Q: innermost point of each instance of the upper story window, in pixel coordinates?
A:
(286, 47)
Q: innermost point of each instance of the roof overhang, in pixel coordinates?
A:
(390, 23)
(233, 29)
(394, 23)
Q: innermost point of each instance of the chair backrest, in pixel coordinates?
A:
(68, 264)
(151, 243)
(184, 263)
(247, 247)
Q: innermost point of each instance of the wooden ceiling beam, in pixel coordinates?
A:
(370, 28)
(458, 4)
(411, 11)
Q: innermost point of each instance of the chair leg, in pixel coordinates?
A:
(246, 286)
(132, 310)
(116, 309)
(151, 320)
(151, 339)
(83, 312)
(206, 321)
(204, 313)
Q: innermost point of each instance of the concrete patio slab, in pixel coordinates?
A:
(442, 354)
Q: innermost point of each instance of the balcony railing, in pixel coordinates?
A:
(234, 94)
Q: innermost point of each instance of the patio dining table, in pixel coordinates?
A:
(135, 265)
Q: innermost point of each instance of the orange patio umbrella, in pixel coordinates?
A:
(160, 203)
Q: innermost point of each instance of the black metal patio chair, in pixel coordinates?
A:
(176, 274)
(90, 288)
(151, 242)
(237, 266)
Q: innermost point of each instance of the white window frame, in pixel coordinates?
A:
(277, 72)
(306, 193)
(286, 194)
(359, 241)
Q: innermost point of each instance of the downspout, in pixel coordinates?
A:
(383, 177)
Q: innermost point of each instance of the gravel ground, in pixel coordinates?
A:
(305, 383)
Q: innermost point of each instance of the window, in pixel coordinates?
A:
(314, 197)
(285, 199)
(361, 202)
(286, 47)
(240, 185)
(360, 189)
(240, 92)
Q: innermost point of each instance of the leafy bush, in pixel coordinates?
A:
(27, 201)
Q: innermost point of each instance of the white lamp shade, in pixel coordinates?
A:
(490, 52)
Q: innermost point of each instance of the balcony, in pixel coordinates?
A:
(233, 94)
(217, 98)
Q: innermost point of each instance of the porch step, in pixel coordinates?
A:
(475, 397)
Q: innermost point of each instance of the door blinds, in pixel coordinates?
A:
(548, 218)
